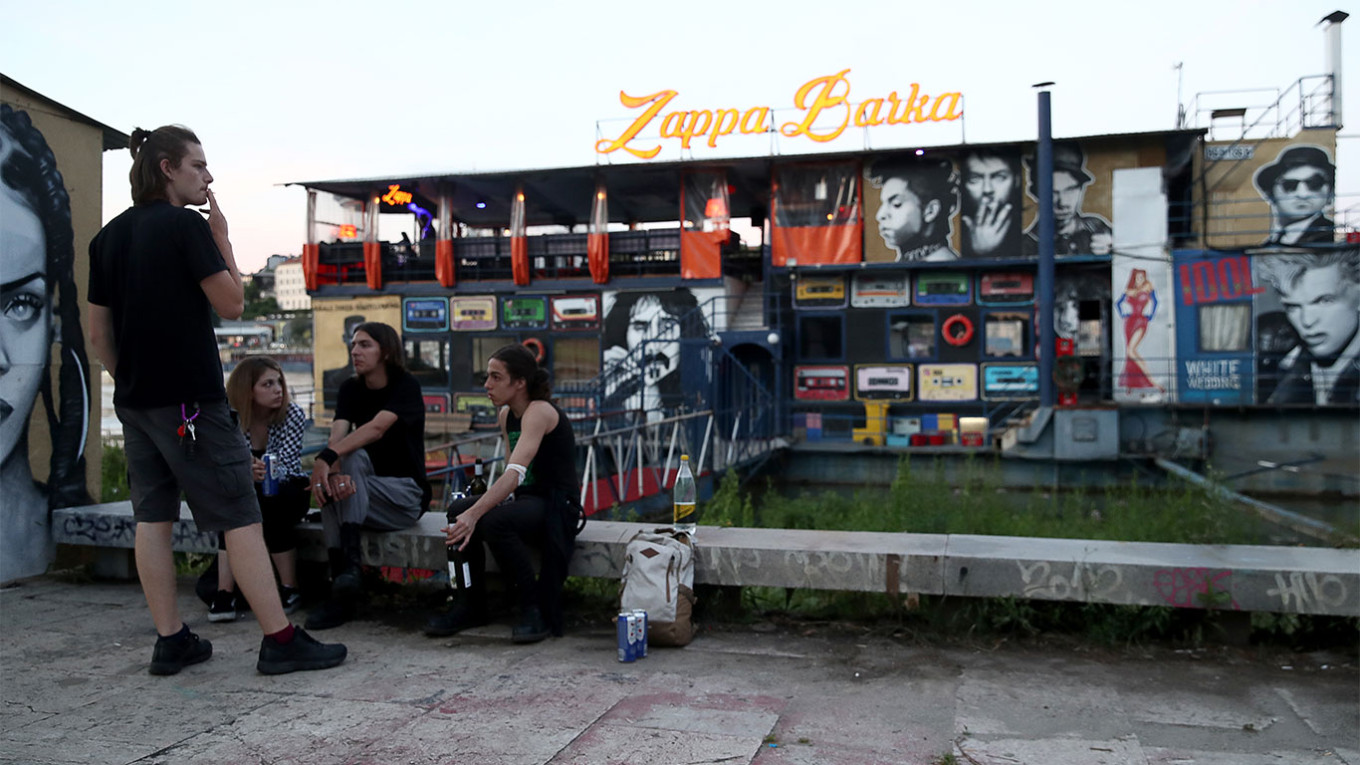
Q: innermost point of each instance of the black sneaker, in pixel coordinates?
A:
(303, 652)
(175, 653)
(530, 628)
(456, 619)
(333, 613)
(290, 598)
(223, 608)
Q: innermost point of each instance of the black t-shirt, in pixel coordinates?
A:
(145, 267)
(554, 466)
(401, 450)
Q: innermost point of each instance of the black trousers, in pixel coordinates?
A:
(512, 530)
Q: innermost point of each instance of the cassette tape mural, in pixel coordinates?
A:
(655, 348)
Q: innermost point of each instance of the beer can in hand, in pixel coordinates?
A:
(270, 485)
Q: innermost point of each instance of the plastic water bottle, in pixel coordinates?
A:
(685, 519)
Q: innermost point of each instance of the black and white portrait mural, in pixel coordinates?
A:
(1075, 231)
(1299, 187)
(1307, 343)
(40, 307)
(914, 207)
(643, 348)
(991, 203)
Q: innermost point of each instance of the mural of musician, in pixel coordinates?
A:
(918, 197)
(991, 203)
(642, 333)
(38, 305)
(1308, 352)
(1074, 232)
(1137, 306)
(1298, 185)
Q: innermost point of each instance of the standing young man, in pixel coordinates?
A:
(372, 472)
(156, 272)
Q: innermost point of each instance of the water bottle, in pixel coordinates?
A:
(478, 485)
(685, 518)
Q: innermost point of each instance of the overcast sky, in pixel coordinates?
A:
(289, 91)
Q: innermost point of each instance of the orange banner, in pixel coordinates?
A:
(701, 254)
(811, 245)
(597, 251)
(443, 262)
(373, 264)
(519, 259)
(311, 258)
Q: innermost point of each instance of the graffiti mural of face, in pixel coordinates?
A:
(25, 317)
(1067, 196)
(987, 181)
(1301, 192)
(900, 215)
(1324, 308)
(649, 321)
(1067, 318)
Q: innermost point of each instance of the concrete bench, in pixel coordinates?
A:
(1230, 577)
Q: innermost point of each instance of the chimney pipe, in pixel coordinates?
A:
(1333, 52)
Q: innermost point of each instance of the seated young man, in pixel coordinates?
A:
(372, 473)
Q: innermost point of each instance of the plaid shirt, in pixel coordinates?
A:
(285, 442)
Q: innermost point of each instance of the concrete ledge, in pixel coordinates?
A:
(1228, 577)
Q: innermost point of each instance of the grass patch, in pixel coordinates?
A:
(923, 500)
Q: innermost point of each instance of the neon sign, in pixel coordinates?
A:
(827, 97)
(395, 196)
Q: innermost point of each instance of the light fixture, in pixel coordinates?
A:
(819, 191)
(481, 204)
(920, 152)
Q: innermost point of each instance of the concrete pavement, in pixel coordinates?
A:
(75, 689)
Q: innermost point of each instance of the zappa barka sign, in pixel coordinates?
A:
(824, 101)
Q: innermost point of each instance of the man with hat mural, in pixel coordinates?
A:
(1298, 186)
(1073, 232)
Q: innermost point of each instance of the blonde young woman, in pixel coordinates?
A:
(271, 423)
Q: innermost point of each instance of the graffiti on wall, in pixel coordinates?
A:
(38, 307)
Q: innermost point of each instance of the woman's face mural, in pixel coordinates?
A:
(25, 311)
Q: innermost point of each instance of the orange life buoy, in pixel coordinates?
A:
(536, 345)
(962, 338)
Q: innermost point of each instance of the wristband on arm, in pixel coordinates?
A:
(328, 456)
(519, 471)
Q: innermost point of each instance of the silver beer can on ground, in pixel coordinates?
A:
(270, 486)
(627, 626)
(641, 615)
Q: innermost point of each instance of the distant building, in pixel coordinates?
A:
(289, 288)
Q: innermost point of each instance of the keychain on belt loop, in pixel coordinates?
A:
(186, 429)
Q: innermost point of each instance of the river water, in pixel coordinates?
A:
(299, 386)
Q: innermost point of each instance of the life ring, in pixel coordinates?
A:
(962, 338)
(535, 345)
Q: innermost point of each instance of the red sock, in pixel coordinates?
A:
(283, 636)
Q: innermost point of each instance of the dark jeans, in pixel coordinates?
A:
(509, 529)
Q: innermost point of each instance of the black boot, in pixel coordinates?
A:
(461, 614)
(530, 628)
(336, 610)
(350, 578)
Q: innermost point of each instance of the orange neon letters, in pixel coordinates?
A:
(395, 196)
(818, 98)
